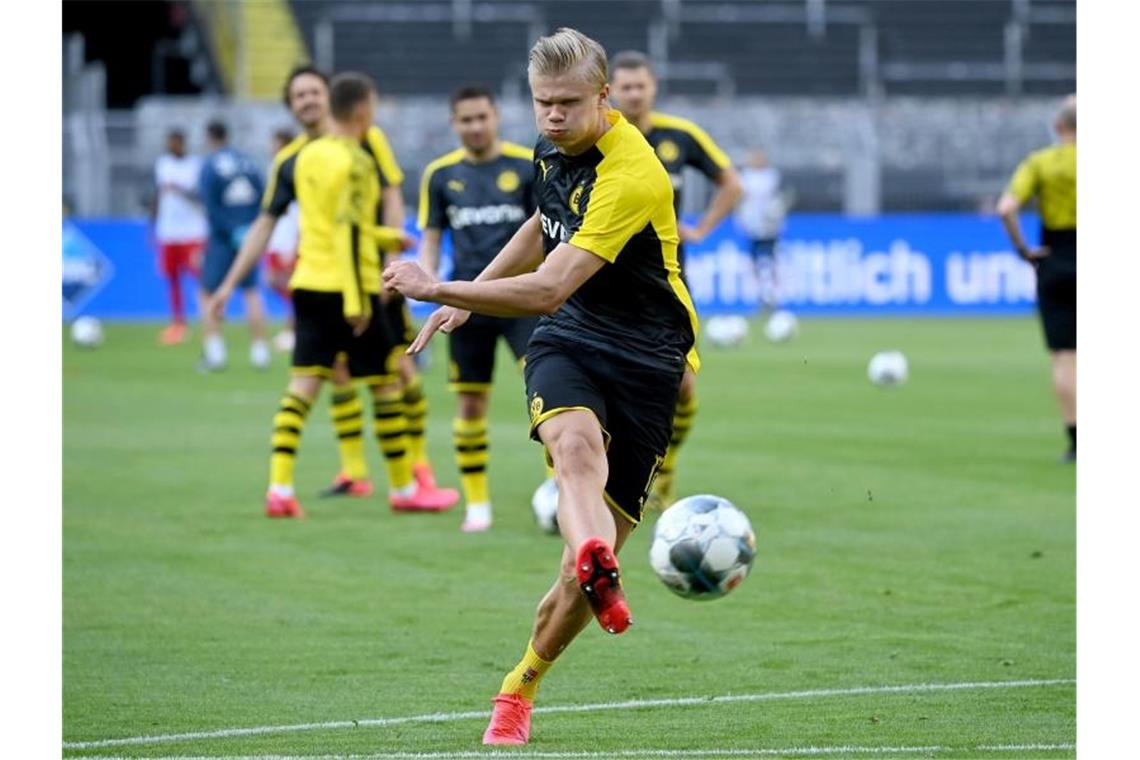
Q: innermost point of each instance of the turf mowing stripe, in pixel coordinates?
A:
(759, 752)
(632, 704)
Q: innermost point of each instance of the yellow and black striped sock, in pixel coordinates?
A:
(287, 426)
(682, 423)
(470, 437)
(527, 675)
(347, 413)
(391, 429)
(415, 410)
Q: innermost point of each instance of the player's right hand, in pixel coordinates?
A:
(216, 303)
(359, 323)
(447, 318)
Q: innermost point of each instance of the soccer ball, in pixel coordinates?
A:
(703, 547)
(545, 505)
(888, 368)
(782, 326)
(726, 331)
(87, 332)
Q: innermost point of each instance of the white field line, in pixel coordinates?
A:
(632, 704)
(635, 753)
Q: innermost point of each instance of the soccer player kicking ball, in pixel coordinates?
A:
(604, 365)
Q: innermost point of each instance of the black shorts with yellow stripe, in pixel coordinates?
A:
(399, 319)
(322, 334)
(634, 401)
(473, 346)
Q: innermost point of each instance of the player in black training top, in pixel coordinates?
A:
(605, 363)
(678, 143)
(481, 192)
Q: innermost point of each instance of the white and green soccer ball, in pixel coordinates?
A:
(888, 368)
(703, 547)
(544, 503)
(726, 331)
(782, 326)
(87, 332)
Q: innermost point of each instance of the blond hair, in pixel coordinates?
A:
(568, 50)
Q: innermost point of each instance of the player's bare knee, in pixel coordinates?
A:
(575, 453)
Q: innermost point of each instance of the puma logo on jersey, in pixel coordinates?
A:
(554, 229)
(456, 185)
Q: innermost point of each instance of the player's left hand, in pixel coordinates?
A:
(447, 318)
(408, 278)
(689, 234)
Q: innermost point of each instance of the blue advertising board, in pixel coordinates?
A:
(827, 264)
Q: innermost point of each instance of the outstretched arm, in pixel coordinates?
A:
(252, 246)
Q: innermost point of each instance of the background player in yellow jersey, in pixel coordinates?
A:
(335, 290)
(604, 365)
(482, 193)
(307, 97)
(678, 143)
(1050, 175)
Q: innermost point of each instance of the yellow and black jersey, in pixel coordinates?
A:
(483, 204)
(615, 201)
(1050, 175)
(338, 190)
(679, 143)
(280, 192)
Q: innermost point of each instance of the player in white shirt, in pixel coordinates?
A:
(179, 225)
(281, 252)
(761, 216)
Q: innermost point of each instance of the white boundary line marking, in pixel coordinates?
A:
(632, 704)
(666, 753)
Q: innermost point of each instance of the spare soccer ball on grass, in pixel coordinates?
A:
(545, 505)
(782, 326)
(703, 547)
(888, 368)
(87, 332)
(726, 331)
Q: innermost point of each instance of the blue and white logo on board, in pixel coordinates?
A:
(85, 270)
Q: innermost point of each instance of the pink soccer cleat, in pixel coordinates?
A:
(510, 720)
(282, 506)
(425, 500)
(343, 485)
(424, 476)
(600, 579)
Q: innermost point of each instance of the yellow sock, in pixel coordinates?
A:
(391, 432)
(524, 679)
(470, 437)
(546, 463)
(348, 421)
(682, 423)
(415, 410)
(287, 425)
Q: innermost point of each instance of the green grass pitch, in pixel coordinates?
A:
(921, 535)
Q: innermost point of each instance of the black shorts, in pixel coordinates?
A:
(399, 319)
(763, 249)
(633, 400)
(1057, 297)
(322, 333)
(473, 346)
